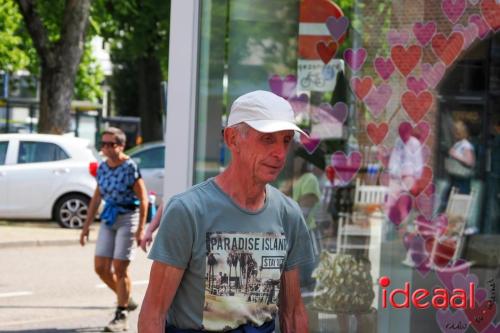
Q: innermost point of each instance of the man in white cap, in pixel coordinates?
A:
(237, 226)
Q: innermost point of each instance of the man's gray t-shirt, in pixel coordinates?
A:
(233, 258)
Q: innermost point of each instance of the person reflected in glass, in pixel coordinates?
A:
(304, 188)
(461, 161)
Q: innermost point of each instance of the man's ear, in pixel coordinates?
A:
(231, 138)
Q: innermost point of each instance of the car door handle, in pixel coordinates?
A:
(60, 171)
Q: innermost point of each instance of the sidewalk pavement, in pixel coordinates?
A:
(22, 234)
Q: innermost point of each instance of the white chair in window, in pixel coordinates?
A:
(449, 246)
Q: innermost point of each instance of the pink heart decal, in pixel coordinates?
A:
(470, 33)
(345, 167)
(310, 144)
(425, 204)
(493, 328)
(424, 31)
(398, 209)
(483, 28)
(337, 26)
(283, 87)
(431, 189)
(453, 9)
(421, 131)
(355, 58)
(377, 99)
(482, 315)
(395, 37)
(452, 322)
(433, 74)
(428, 228)
(417, 250)
(383, 67)
(446, 274)
(338, 111)
(416, 85)
(426, 153)
(299, 103)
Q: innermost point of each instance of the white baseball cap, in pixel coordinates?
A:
(263, 111)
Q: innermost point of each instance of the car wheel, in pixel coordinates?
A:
(71, 211)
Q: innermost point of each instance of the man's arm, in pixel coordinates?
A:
(163, 283)
(292, 313)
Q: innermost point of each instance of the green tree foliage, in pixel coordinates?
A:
(14, 55)
(17, 51)
(138, 32)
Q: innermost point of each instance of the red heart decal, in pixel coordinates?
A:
(448, 49)
(422, 182)
(482, 315)
(326, 51)
(444, 251)
(416, 106)
(420, 131)
(491, 13)
(361, 87)
(377, 132)
(406, 59)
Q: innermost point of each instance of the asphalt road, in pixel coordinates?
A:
(55, 289)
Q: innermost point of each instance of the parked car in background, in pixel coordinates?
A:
(150, 157)
(46, 177)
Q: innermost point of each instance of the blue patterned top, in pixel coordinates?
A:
(116, 185)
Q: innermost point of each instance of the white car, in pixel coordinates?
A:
(46, 177)
(150, 157)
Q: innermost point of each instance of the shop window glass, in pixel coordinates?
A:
(403, 169)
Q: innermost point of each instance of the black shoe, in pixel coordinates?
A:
(119, 323)
(132, 305)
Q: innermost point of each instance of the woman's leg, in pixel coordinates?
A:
(123, 284)
(102, 266)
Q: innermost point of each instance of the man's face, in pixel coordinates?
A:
(263, 155)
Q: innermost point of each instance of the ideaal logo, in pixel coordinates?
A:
(439, 298)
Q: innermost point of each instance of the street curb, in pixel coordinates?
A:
(35, 243)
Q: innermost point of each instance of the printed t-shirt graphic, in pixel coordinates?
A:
(242, 278)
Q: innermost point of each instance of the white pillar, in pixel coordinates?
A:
(181, 104)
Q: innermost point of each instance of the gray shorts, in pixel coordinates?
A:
(118, 241)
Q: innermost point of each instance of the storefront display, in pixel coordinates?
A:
(380, 86)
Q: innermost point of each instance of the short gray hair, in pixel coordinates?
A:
(242, 128)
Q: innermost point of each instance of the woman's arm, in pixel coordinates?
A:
(93, 206)
(153, 225)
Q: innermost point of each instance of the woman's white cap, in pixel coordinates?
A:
(264, 111)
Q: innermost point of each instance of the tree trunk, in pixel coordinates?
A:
(59, 61)
(55, 101)
(150, 111)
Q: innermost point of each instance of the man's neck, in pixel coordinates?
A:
(247, 193)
